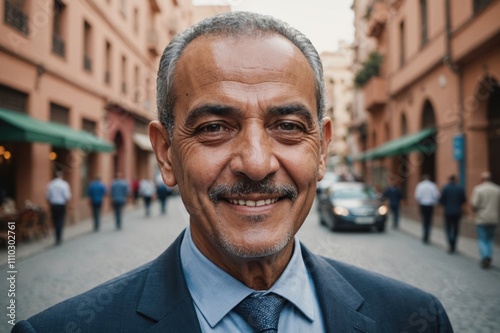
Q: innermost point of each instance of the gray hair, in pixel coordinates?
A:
(231, 25)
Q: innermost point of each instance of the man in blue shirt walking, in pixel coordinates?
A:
(452, 198)
(96, 192)
(119, 193)
(394, 195)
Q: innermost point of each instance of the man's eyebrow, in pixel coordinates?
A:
(209, 110)
(292, 109)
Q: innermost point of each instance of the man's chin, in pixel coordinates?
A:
(255, 249)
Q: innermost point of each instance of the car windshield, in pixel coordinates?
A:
(357, 192)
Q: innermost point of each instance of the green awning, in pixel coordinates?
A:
(420, 141)
(20, 127)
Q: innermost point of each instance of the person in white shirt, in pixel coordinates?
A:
(485, 203)
(427, 196)
(146, 191)
(58, 194)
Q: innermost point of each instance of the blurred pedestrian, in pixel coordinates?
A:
(485, 203)
(452, 198)
(58, 194)
(394, 195)
(162, 193)
(135, 190)
(427, 196)
(119, 193)
(96, 192)
(146, 191)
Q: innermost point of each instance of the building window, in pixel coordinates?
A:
(124, 75)
(480, 4)
(58, 44)
(137, 87)
(404, 125)
(12, 99)
(402, 44)
(87, 46)
(107, 63)
(147, 99)
(15, 15)
(59, 114)
(136, 21)
(423, 20)
(89, 126)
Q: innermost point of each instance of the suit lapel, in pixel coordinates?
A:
(166, 298)
(337, 297)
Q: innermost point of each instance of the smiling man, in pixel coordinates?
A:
(242, 133)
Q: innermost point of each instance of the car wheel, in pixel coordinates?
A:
(381, 227)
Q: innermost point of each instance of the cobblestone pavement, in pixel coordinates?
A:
(48, 274)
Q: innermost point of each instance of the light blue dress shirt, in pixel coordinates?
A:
(215, 293)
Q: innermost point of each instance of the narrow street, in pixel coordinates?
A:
(51, 274)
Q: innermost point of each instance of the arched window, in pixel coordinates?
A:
(404, 125)
(428, 115)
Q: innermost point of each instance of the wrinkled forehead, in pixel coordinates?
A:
(257, 57)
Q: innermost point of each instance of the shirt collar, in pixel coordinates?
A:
(207, 281)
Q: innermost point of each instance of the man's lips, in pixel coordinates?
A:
(252, 203)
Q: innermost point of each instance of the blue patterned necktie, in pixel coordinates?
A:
(261, 312)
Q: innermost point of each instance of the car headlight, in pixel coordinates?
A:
(382, 210)
(340, 211)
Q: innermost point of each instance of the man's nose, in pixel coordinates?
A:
(253, 154)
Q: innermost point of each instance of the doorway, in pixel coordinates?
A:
(428, 166)
(494, 132)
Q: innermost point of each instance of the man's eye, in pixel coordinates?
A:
(211, 128)
(288, 126)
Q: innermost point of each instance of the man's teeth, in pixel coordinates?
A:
(253, 203)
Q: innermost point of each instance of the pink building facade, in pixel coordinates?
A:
(438, 88)
(89, 66)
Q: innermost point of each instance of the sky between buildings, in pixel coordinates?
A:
(324, 22)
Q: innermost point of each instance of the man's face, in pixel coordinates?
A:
(246, 149)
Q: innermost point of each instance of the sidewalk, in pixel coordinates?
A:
(82, 228)
(466, 246)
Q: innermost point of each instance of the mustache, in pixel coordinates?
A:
(247, 186)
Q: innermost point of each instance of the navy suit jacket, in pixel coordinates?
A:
(452, 198)
(155, 298)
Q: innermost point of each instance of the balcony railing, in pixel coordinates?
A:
(15, 17)
(58, 45)
(87, 63)
(375, 93)
(377, 19)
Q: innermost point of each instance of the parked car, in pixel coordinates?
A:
(351, 205)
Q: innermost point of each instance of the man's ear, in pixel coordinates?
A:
(162, 148)
(324, 142)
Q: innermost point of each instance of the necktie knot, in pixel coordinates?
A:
(261, 312)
